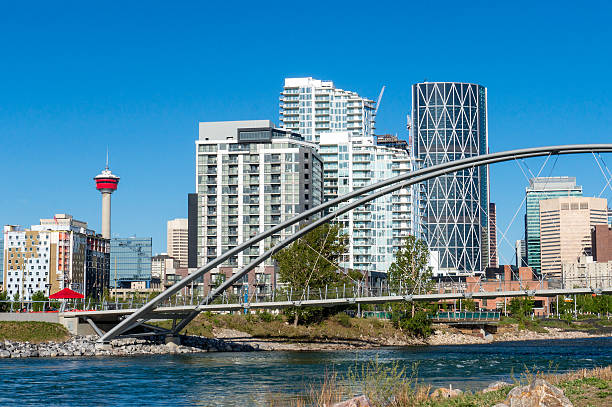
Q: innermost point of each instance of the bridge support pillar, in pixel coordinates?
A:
(172, 339)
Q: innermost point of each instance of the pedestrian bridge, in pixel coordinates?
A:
(320, 215)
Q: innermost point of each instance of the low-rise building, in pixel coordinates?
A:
(507, 278)
(586, 273)
(56, 254)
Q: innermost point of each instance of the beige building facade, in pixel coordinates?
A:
(586, 273)
(565, 230)
(177, 240)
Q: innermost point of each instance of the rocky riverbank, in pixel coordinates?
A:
(87, 346)
(442, 336)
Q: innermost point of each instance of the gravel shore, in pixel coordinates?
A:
(87, 346)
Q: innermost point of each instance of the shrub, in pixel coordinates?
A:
(419, 326)
(343, 320)
(266, 316)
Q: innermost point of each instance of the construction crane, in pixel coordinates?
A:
(379, 98)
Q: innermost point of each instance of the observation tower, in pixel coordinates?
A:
(106, 183)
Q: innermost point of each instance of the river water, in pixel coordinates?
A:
(248, 379)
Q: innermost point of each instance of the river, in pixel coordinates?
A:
(248, 379)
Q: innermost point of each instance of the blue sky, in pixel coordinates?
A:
(138, 76)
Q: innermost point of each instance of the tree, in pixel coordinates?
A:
(311, 261)
(521, 307)
(39, 298)
(409, 272)
(4, 302)
(16, 303)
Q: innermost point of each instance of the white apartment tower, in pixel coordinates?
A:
(377, 229)
(250, 176)
(312, 107)
(176, 243)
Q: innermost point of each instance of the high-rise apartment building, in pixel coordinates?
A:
(565, 230)
(177, 240)
(250, 176)
(130, 261)
(56, 254)
(450, 123)
(312, 107)
(540, 189)
(376, 230)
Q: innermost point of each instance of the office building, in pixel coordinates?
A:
(565, 230)
(539, 189)
(56, 254)
(250, 176)
(311, 107)
(177, 240)
(450, 123)
(601, 241)
(130, 260)
(520, 249)
(376, 230)
(492, 235)
(1, 258)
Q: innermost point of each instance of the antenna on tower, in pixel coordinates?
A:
(107, 157)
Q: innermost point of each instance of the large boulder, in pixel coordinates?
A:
(360, 401)
(538, 394)
(496, 386)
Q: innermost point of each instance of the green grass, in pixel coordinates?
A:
(31, 331)
(337, 327)
(583, 388)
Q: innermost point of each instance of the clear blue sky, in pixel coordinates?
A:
(138, 76)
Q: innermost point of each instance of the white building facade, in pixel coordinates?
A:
(377, 229)
(250, 176)
(312, 107)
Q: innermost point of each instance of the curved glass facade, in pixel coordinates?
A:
(450, 123)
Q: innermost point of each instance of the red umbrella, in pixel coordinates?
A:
(66, 293)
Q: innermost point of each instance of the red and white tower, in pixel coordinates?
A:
(106, 183)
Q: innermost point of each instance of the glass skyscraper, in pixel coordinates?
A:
(130, 260)
(450, 123)
(540, 189)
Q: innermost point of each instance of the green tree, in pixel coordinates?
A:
(311, 261)
(409, 272)
(38, 296)
(469, 304)
(520, 308)
(16, 303)
(4, 302)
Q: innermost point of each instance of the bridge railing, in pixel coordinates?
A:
(467, 316)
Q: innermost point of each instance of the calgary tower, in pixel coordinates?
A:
(106, 183)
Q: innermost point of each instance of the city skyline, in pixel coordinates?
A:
(71, 113)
